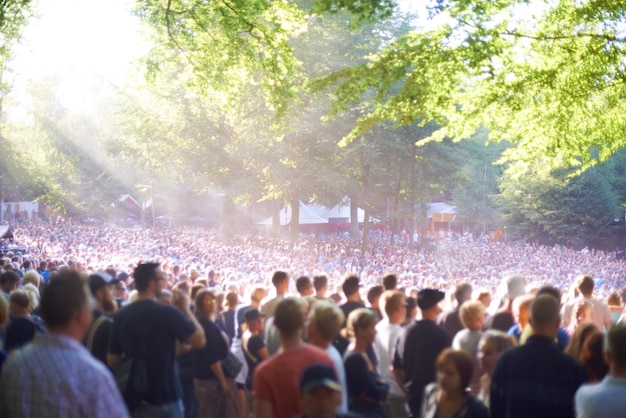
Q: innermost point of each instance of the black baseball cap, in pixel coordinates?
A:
(319, 375)
(427, 298)
(99, 279)
(252, 314)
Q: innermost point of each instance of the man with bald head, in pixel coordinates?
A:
(537, 379)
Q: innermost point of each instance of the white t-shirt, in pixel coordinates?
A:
(385, 347)
(601, 312)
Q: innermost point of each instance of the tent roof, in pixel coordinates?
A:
(307, 216)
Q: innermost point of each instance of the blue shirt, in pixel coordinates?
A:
(56, 377)
(606, 399)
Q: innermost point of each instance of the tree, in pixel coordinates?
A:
(547, 76)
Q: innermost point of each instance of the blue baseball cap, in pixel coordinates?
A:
(319, 375)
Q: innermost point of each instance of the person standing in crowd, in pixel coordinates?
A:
(451, 320)
(4, 321)
(275, 383)
(350, 286)
(473, 318)
(320, 283)
(31, 281)
(8, 283)
(215, 392)
(55, 376)
(448, 397)
(280, 280)
(592, 357)
(304, 286)
(388, 331)
(253, 344)
(225, 321)
(23, 326)
(390, 281)
(101, 286)
(147, 324)
(537, 379)
(323, 324)
(616, 305)
(367, 392)
(373, 298)
(521, 315)
(601, 314)
(607, 399)
(321, 393)
(491, 345)
(503, 319)
(417, 350)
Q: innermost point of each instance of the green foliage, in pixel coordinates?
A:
(360, 10)
(550, 207)
(546, 76)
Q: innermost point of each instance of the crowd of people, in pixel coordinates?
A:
(100, 320)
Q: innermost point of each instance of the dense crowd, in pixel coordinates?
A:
(102, 320)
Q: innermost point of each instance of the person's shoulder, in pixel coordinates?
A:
(476, 408)
(589, 390)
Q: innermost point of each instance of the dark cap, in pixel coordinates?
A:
(319, 375)
(427, 298)
(252, 314)
(100, 279)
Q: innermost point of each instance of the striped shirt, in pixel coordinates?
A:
(56, 377)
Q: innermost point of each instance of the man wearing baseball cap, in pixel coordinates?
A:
(418, 348)
(320, 393)
(97, 338)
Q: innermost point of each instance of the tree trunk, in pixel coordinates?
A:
(294, 225)
(278, 206)
(354, 218)
(228, 217)
(366, 208)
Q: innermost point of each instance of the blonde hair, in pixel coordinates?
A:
(471, 310)
(520, 302)
(328, 319)
(358, 319)
(391, 301)
(4, 311)
(258, 294)
(31, 276)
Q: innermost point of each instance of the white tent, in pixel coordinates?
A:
(342, 210)
(307, 216)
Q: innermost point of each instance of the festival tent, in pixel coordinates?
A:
(307, 217)
(341, 211)
(440, 216)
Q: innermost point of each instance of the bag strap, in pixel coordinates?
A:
(245, 350)
(93, 330)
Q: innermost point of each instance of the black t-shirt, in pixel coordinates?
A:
(418, 347)
(101, 334)
(161, 325)
(501, 321)
(255, 344)
(21, 331)
(341, 343)
(215, 350)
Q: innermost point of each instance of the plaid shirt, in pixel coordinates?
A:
(55, 376)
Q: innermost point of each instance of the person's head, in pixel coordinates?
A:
(592, 356)
(490, 346)
(454, 370)
(393, 306)
(484, 297)
(586, 285)
(280, 280)
(428, 301)
(324, 323)
(575, 344)
(149, 278)
(462, 293)
(411, 310)
(472, 315)
(549, 290)
(515, 286)
(4, 312)
(304, 286)
(361, 325)
(582, 312)
(205, 304)
(320, 283)
(614, 299)
(615, 350)
(545, 316)
(9, 281)
(165, 297)
(350, 286)
(521, 309)
(254, 320)
(66, 306)
(390, 281)
(320, 391)
(373, 296)
(257, 295)
(18, 303)
(101, 286)
(232, 300)
(289, 317)
(32, 277)
(33, 294)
